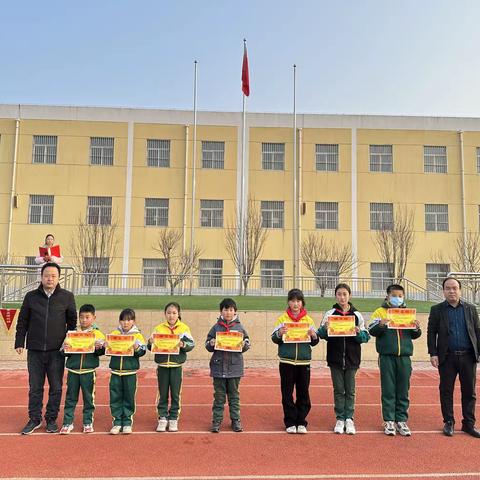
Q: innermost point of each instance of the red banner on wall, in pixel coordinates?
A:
(9, 315)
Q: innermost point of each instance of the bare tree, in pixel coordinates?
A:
(244, 243)
(179, 265)
(93, 248)
(395, 242)
(326, 260)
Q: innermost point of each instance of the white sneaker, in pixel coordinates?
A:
(350, 427)
(339, 426)
(162, 425)
(66, 429)
(127, 430)
(389, 428)
(173, 425)
(301, 429)
(292, 429)
(402, 429)
(115, 430)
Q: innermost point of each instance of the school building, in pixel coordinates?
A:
(135, 168)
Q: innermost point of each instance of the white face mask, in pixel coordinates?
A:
(395, 301)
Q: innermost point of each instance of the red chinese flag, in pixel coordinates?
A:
(245, 77)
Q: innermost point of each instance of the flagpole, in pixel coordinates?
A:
(194, 158)
(295, 211)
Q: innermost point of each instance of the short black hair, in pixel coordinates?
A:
(127, 314)
(87, 308)
(49, 235)
(394, 286)
(51, 264)
(296, 294)
(451, 278)
(345, 286)
(228, 303)
(173, 304)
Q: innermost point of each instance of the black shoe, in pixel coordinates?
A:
(471, 430)
(237, 426)
(31, 426)
(52, 426)
(448, 428)
(215, 428)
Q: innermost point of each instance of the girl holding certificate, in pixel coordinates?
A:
(49, 252)
(344, 330)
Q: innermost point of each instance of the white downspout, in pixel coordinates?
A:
(464, 213)
(12, 191)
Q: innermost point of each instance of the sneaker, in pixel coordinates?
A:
(292, 429)
(389, 428)
(88, 428)
(115, 430)
(339, 426)
(52, 426)
(237, 426)
(402, 429)
(162, 424)
(215, 428)
(301, 429)
(173, 425)
(350, 427)
(31, 426)
(66, 429)
(127, 429)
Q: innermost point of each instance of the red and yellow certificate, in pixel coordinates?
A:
(120, 345)
(166, 343)
(297, 332)
(402, 318)
(339, 326)
(229, 341)
(80, 342)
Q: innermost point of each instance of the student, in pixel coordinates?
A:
(395, 348)
(81, 374)
(295, 364)
(226, 368)
(343, 358)
(123, 381)
(169, 370)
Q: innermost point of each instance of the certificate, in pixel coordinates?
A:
(166, 343)
(229, 341)
(339, 326)
(402, 318)
(80, 342)
(297, 332)
(120, 345)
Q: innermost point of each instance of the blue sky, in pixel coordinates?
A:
(354, 56)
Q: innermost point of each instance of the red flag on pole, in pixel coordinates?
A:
(245, 76)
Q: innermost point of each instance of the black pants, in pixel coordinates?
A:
(298, 377)
(466, 368)
(51, 365)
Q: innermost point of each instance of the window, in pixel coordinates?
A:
(211, 273)
(156, 212)
(381, 216)
(273, 156)
(96, 272)
(41, 209)
(101, 151)
(381, 158)
(436, 218)
(271, 273)
(158, 153)
(436, 272)
(211, 213)
(44, 149)
(381, 274)
(213, 154)
(435, 159)
(326, 215)
(478, 159)
(326, 157)
(326, 274)
(99, 211)
(154, 272)
(272, 214)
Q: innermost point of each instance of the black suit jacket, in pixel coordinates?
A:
(437, 333)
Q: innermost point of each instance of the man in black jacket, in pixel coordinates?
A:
(46, 315)
(454, 345)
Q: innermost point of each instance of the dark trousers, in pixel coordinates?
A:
(298, 377)
(40, 365)
(169, 382)
(466, 368)
(223, 388)
(76, 382)
(123, 389)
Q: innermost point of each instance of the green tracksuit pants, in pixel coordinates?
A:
(343, 391)
(169, 384)
(223, 388)
(123, 389)
(76, 382)
(395, 373)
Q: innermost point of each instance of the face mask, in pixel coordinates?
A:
(395, 301)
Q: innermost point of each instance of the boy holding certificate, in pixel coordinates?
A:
(295, 352)
(82, 348)
(170, 341)
(125, 345)
(344, 329)
(394, 346)
(227, 339)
